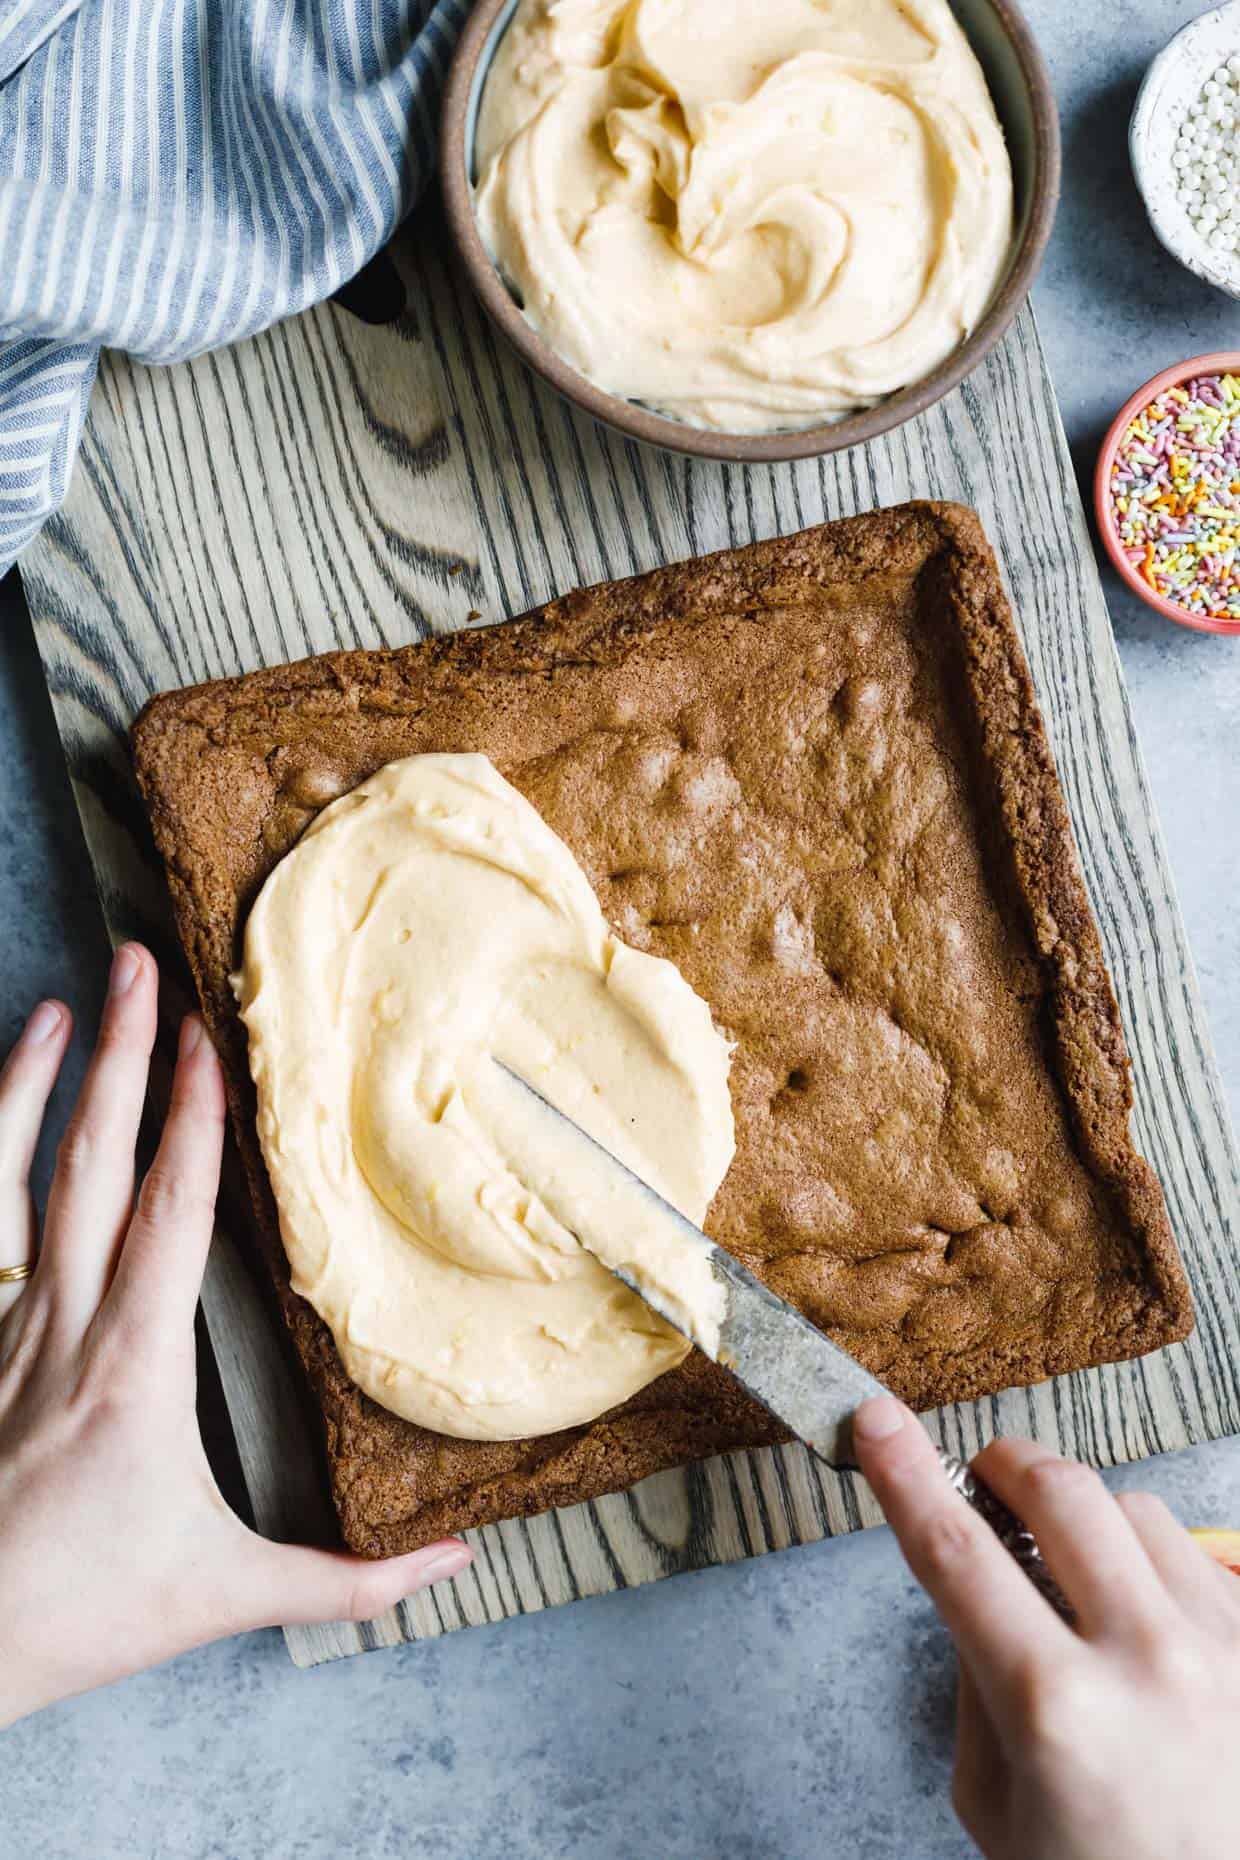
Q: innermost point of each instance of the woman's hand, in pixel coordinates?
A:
(116, 1549)
(1116, 1741)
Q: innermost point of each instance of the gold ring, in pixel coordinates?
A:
(13, 1275)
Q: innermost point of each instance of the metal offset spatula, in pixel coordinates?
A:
(805, 1381)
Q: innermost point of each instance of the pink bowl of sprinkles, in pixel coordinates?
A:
(1167, 493)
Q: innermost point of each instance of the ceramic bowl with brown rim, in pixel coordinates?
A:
(1021, 90)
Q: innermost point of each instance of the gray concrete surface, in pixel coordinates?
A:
(785, 1710)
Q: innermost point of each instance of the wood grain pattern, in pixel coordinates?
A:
(332, 483)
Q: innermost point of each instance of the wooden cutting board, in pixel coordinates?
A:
(336, 483)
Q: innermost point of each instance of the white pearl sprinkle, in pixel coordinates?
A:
(1205, 159)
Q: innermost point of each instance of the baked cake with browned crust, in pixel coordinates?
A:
(813, 774)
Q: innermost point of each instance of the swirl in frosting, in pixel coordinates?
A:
(748, 215)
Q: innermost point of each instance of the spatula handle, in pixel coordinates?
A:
(1007, 1527)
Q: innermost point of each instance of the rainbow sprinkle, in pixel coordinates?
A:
(1175, 495)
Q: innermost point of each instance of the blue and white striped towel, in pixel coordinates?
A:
(176, 174)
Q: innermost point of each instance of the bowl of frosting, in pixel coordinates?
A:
(750, 232)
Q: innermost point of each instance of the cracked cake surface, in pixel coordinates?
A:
(813, 774)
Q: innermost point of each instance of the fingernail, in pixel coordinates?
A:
(879, 1418)
(125, 966)
(191, 1035)
(445, 1564)
(42, 1023)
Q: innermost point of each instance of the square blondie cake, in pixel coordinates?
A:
(811, 772)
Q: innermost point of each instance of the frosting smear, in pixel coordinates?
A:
(424, 922)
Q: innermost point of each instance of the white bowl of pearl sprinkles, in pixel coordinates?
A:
(1185, 146)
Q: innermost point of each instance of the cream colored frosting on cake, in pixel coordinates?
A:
(426, 921)
(612, 1212)
(749, 215)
